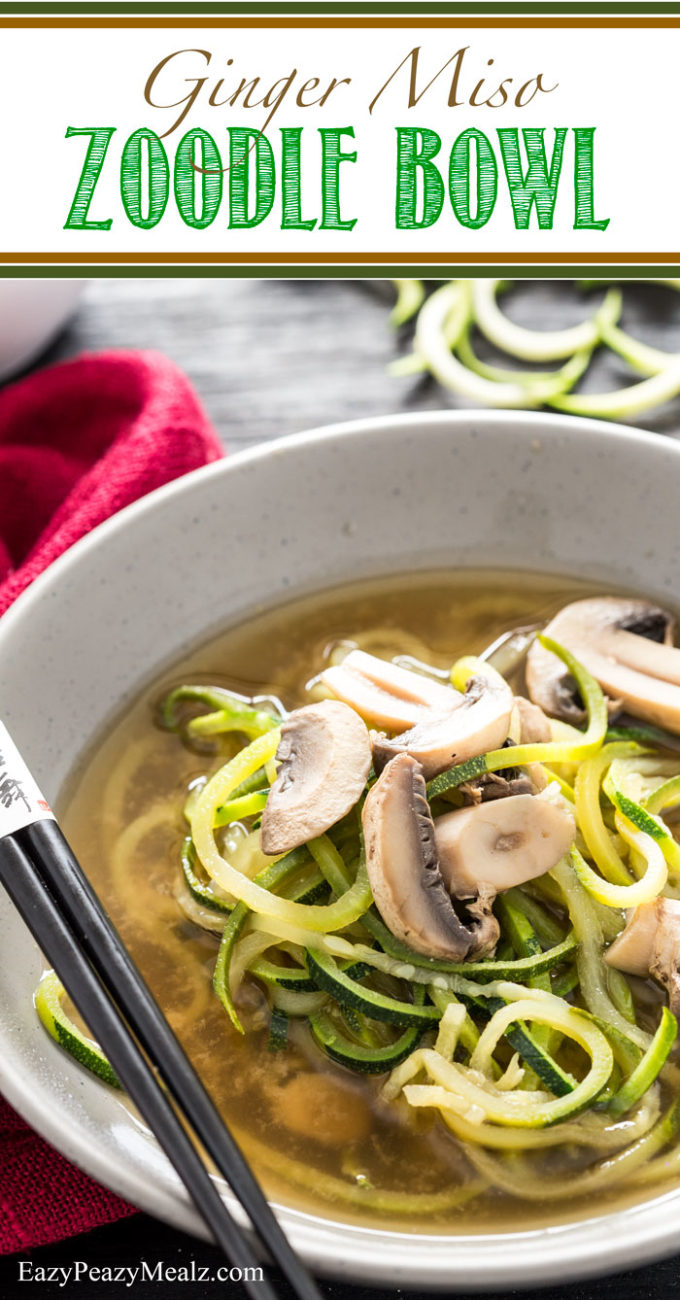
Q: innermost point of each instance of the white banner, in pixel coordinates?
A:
(404, 143)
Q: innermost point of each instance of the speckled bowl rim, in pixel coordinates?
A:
(584, 1248)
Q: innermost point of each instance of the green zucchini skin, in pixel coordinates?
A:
(61, 1028)
(347, 992)
(230, 712)
(644, 733)
(273, 876)
(532, 1053)
(648, 1068)
(520, 969)
(298, 980)
(541, 1062)
(377, 1006)
(200, 892)
(278, 1030)
(283, 977)
(357, 1056)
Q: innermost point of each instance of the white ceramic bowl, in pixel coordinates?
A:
(403, 493)
(32, 313)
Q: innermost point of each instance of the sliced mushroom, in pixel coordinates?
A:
(325, 757)
(384, 694)
(534, 726)
(404, 874)
(627, 645)
(508, 781)
(650, 946)
(530, 725)
(496, 785)
(500, 844)
(479, 721)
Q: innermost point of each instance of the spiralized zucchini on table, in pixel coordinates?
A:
(459, 889)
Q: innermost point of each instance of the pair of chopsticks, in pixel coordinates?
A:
(49, 889)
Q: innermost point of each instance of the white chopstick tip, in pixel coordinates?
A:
(21, 801)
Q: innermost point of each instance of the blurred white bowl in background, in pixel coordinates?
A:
(32, 312)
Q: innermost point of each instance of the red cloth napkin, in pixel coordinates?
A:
(77, 443)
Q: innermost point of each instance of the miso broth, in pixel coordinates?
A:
(318, 1135)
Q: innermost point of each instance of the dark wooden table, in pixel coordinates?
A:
(271, 357)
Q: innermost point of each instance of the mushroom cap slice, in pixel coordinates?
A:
(666, 961)
(528, 725)
(534, 726)
(325, 757)
(504, 784)
(650, 945)
(627, 645)
(496, 785)
(385, 694)
(478, 721)
(404, 874)
(634, 950)
(502, 843)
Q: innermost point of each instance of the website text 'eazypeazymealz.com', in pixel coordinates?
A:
(130, 1275)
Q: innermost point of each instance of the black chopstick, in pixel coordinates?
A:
(49, 888)
(18, 875)
(62, 874)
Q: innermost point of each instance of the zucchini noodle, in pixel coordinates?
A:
(592, 971)
(359, 1193)
(217, 792)
(410, 296)
(121, 780)
(302, 1005)
(624, 402)
(632, 815)
(536, 345)
(457, 977)
(598, 839)
(641, 891)
(648, 1068)
(49, 998)
(442, 322)
(442, 345)
(468, 1089)
(642, 357)
(560, 380)
(127, 843)
(665, 796)
(246, 805)
(229, 713)
(597, 1132)
(518, 1178)
(140, 889)
(555, 751)
(538, 1046)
